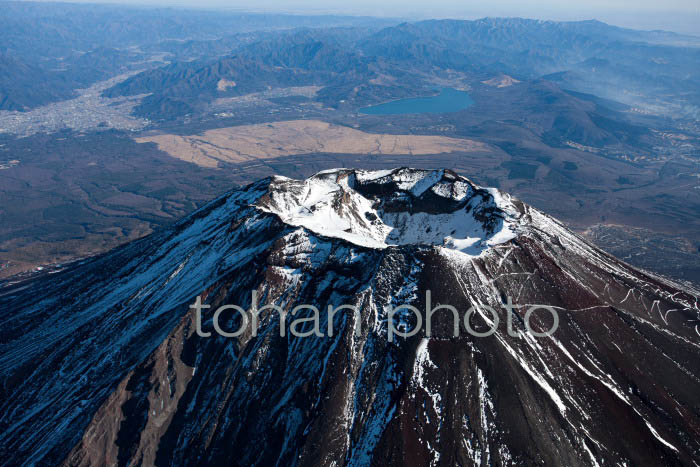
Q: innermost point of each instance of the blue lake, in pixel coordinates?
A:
(449, 100)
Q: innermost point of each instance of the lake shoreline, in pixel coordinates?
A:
(446, 101)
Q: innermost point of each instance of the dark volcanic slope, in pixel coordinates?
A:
(101, 363)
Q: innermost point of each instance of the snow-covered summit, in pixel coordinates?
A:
(378, 209)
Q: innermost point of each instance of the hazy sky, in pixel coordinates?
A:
(674, 15)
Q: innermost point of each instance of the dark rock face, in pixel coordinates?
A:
(102, 362)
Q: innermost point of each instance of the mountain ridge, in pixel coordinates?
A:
(104, 364)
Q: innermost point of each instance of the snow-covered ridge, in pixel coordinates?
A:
(378, 209)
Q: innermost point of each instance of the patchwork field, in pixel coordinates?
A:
(272, 140)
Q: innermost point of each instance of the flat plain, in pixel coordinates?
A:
(247, 143)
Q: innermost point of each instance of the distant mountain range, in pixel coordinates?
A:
(47, 50)
(358, 60)
(102, 363)
(17, 93)
(633, 67)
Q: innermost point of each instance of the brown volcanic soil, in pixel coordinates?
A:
(271, 140)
